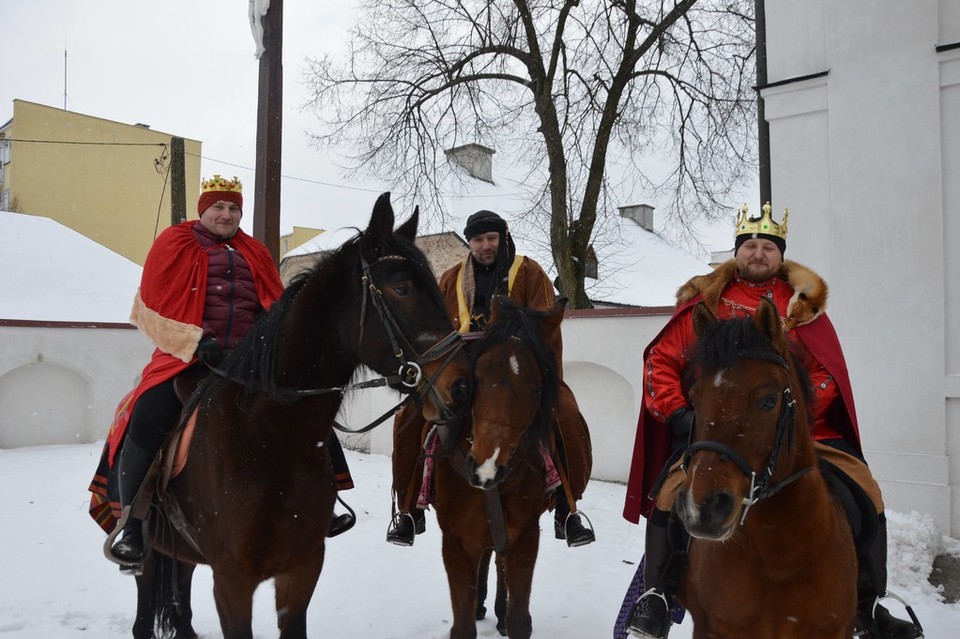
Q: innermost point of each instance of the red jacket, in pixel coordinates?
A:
(169, 306)
(727, 296)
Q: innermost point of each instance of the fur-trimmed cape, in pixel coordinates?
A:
(809, 325)
(809, 299)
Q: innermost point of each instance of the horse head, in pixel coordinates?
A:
(746, 415)
(514, 388)
(404, 332)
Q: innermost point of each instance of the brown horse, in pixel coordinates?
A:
(256, 495)
(771, 555)
(491, 493)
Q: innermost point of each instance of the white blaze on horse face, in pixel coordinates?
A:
(514, 365)
(487, 471)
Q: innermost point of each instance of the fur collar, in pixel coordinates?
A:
(809, 299)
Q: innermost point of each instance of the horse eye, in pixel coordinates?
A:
(401, 289)
(769, 402)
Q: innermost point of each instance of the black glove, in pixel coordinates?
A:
(681, 423)
(209, 352)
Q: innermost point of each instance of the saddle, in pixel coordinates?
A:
(856, 504)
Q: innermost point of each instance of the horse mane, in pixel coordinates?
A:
(724, 343)
(516, 322)
(253, 363)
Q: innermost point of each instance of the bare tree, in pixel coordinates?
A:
(570, 86)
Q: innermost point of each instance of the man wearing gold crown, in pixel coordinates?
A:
(734, 290)
(204, 284)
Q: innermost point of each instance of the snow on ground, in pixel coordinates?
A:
(55, 583)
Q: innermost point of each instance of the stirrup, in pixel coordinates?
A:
(635, 611)
(872, 630)
(342, 523)
(396, 531)
(588, 536)
(127, 567)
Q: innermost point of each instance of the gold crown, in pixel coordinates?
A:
(763, 225)
(217, 183)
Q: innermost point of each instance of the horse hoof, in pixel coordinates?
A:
(481, 613)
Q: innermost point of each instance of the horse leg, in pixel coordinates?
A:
(483, 574)
(233, 593)
(462, 571)
(500, 603)
(294, 589)
(183, 615)
(147, 587)
(518, 575)
(162, 604)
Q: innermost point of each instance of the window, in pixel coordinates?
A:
(4, 152)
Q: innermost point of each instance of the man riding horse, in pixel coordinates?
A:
(492, 268)
(204, 284)
(733, 290)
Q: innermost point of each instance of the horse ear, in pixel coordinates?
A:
(497, 304)
(409, 228)
(379, 231)
(553, 317)
(703, 319)
(767, 321)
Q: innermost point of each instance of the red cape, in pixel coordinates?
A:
(174, 285)
(653, 443)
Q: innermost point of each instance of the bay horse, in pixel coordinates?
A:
(256, 495)
(489, 492)
(771, 553)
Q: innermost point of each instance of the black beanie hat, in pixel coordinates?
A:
(779, 241)
(484, 222)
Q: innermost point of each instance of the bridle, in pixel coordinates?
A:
(409, 374)
(760, 486)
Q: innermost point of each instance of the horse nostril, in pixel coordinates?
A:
(717, 508)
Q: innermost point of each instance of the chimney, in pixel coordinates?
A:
(642, 214)
(475, 159)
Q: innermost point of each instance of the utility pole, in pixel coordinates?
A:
(266, 221)
(178, 182)
(763, 127)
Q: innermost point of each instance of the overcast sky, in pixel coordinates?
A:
(188, 68)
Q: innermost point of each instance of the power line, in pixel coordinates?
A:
(330, 184)
(84, 143)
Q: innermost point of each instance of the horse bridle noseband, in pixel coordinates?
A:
(760, 486)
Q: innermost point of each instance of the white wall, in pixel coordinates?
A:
(61, 385)
(867, 159)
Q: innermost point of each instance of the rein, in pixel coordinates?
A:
(760, 486)
(410, 372)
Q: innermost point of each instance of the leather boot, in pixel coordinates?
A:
(651, 614)
(135, 461)
(342, 523)
(873, 620)
(569, 526)
(405, 526)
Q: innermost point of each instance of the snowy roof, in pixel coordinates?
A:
(52, 273)
(637, 267)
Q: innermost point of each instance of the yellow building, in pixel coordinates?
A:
(300, 235)
(106, 180)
